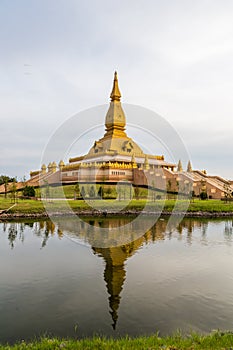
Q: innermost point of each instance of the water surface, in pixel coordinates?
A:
(55, 282)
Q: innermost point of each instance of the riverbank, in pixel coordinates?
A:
(36, 209)
(215, 341)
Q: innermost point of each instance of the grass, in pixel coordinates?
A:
(215, 341)
(37, 207)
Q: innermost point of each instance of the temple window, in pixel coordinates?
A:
(118, 173)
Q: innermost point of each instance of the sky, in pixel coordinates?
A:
(173, 57)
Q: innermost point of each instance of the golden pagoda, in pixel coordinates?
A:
(118, 158)
(115, 140)
(114, 157)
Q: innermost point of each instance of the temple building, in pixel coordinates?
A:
(118, 158)
(115, 157)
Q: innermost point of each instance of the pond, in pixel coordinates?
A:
(55, 281)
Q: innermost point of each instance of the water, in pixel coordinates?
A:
(53, 282)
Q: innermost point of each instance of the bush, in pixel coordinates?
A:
(100, 192)
(29, 191)
(203, 195)
(92, 192)
(83, 192)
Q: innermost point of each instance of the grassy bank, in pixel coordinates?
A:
(37, 207)
(215, 341)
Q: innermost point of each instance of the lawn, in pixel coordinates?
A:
(28, 206)
(215, 341)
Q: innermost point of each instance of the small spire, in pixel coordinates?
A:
(146, 163)
(189, 167)
(115, 94)
(179, 166)
(133, 162)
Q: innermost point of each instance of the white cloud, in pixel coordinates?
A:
(58, 58)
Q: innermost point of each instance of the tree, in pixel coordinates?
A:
(227, 192)
(108, 191)
(29, 191)
(92, 192)
(13, 190)
(100, 192)
(76, 191)
(83, 192)
(203, 195)
(46, 189)
(136, 192)
(169, 185)
(4, 179)
(192, 195)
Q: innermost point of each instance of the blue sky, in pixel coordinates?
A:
(173, 57)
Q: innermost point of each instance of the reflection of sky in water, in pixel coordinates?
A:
(52, 283)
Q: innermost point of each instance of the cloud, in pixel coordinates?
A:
(58, 58)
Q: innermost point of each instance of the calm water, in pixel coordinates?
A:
(53, 281)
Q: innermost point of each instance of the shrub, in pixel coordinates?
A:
(92, 192)
(29, 191)
(203, 195)
(83, 192)
(100, 192)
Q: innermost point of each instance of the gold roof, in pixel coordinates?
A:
(115, 94)
(115, 139)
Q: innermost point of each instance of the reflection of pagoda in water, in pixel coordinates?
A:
(114, 257)
(115, 274)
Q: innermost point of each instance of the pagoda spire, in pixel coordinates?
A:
(115, 94)
(133, 162)
(179, 166)
(146, 163)
(189, 167)
(115, 117)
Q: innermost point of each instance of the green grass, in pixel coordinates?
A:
(23, 206)
(211, 205)
(215, 341)
(37, 206)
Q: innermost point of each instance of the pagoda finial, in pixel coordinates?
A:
(189, 167)
(115, 94)
(133, 162)
(179, 166)
(146, 163)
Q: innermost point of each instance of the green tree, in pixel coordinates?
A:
(13, 190)
(83, 192)
(227, 192)
(169, 185)
(136, 192)
(203, 195)
(92, 192)
(108, 191)
(100, 192)
(76, 191)
(5, 180)
(29, 191)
